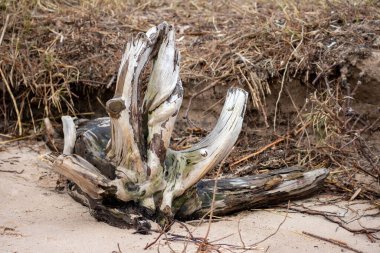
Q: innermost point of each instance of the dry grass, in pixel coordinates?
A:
(61, 57)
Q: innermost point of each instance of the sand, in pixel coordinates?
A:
(34, 217)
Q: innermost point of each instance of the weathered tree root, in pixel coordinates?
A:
(122, 166)
(232, 194)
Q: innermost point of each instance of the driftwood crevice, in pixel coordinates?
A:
(122, 166)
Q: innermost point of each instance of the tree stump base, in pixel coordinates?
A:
(122, 166)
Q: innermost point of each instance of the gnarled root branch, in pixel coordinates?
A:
(124, 161)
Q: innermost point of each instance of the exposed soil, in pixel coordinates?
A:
(205, 108)
(364, 105)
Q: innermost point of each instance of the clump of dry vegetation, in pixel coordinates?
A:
(61, 57)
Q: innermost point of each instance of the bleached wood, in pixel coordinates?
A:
(186, 167)
(83, 173)
(162, 101)
(70, 135)
(165, 74)
(139, 156)
(127, 137)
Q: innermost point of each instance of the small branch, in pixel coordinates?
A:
(4, 29)
(275, 232)
(281, 139)
(162, 232)
(155, 240)
(339, 222)
(69, 133)
(20, 138)
(261, 150)
(12, 171)
(82, 173)
(332, 241)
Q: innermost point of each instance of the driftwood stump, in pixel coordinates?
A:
(123, 169)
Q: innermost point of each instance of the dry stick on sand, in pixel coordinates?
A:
(332, 241)
(331, 218)
(162, 231)
(118, 248)
(12, 171)
(278, 228)
(206, 245)
(240, 236)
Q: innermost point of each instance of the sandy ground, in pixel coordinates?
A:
(36, 218)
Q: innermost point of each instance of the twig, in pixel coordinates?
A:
(155, 240)
(281, 139)
(111, 81)
(299, 115)
(162, 231)
(332, 241)
(14, 102)
(275, 232)
(356, 165)
(331, 218)
(119, 250)
(4, 29)
(259, 151)
(19, 138)
(171, 249)
(190, 236)
(118, 246)
(240, 237)
(12, 171)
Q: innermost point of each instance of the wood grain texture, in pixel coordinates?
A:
(83, 173)
(186, 167)
(69, 130)
(244, 193)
